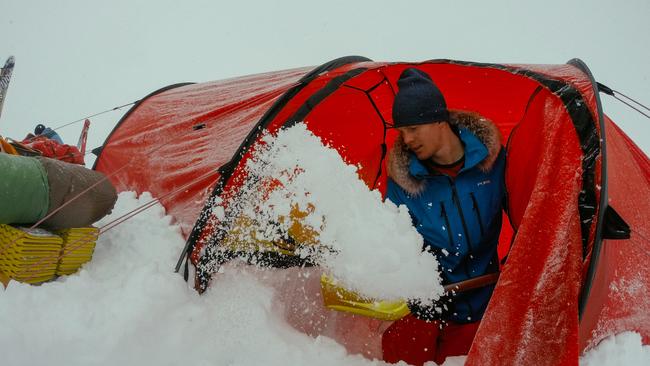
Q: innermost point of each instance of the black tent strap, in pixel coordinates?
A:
(598, 235)
(320, 95)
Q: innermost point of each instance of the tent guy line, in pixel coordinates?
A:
(74, 198)
(614, 93)
(112, 224)
(94, 115)
(633, 107)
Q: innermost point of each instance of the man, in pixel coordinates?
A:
(447, 167)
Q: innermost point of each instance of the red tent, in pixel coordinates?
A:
(577, 186)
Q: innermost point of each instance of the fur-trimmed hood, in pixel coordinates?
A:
(485, 130)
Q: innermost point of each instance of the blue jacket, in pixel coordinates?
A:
(459, 219)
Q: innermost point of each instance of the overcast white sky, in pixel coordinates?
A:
(75, 58)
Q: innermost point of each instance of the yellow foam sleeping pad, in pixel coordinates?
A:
(78, 248)
(37, 255)
(28, 255)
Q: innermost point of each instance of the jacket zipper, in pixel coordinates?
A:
(443, 212)
(478, 213)
(454, 197)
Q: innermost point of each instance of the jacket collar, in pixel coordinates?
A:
(475, 152)
(480, 137)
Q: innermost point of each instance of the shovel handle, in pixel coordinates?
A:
(473, 283)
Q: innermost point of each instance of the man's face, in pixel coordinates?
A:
(423, 140)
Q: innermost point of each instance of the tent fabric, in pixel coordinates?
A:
(203, 133)
(187, 132)
(539, 286)
(618, 300)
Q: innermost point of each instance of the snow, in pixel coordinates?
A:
(622, 349)
(35, 231)
(367, 245)
(126, 307)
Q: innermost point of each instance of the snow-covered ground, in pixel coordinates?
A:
(127, 307)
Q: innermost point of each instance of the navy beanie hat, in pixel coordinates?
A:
(418, 100)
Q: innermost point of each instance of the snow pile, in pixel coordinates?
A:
(368, 245)
(127, 307)
(622, 349)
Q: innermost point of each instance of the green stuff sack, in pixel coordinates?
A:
(24, 191)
